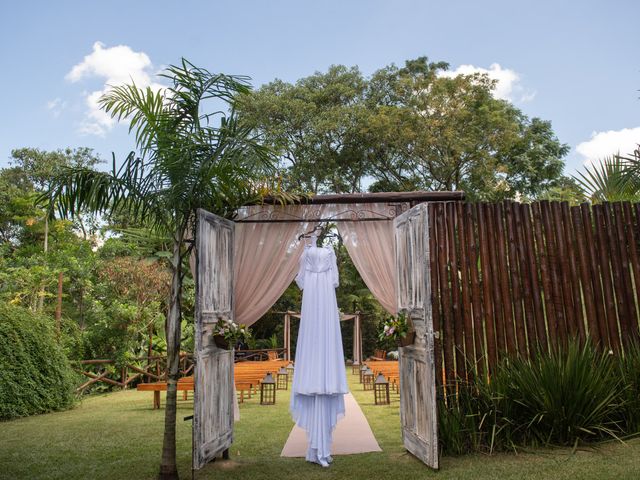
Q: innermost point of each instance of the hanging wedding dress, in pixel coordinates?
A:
(319, 378)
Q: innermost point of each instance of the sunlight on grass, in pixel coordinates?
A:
(119, 436)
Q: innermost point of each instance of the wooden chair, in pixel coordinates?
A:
(380, 355)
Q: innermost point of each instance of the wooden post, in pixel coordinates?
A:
(287, 336)
(357, 340)
(150, 349)
(59, 305)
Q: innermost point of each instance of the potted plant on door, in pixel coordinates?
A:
(227, 333)
(396, 328)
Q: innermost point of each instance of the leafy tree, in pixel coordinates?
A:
(405, 129)
(134, 293)
(566, 189)
(189, 160)
(17, 208)
(313, 126)
(41, 167)
(33, 170)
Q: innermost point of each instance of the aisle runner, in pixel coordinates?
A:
(352, 434)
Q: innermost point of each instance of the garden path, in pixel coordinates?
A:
(352, 434)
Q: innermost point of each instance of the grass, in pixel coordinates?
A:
(118, 436)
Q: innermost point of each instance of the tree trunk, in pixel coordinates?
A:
(59, 306)
(46, 249)
(168, 467)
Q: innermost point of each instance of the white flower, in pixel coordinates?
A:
(386, 327)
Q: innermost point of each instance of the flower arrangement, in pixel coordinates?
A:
(231, 332)
(394, 327)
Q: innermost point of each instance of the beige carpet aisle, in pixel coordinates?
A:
(351, 435)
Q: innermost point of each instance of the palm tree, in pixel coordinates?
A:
(611, 180)
(632, 169)
(188, 160)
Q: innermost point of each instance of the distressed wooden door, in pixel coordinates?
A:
(418, 413)
(213, 370)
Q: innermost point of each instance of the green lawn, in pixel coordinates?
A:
(118, 435)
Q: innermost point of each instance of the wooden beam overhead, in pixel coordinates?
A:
(378, 197)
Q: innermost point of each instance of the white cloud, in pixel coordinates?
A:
(114, 66)
(56, 106)
(605, 144)
(508, 85)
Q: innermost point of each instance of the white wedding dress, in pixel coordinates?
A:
(319, 378)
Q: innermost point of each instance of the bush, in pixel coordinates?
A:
(35, 376)
(573, 394)
(629, 367)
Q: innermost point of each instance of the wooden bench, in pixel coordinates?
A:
(185, 385)
(247, 378)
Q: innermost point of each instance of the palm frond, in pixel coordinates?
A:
(607, 181)
(130, 189)
(631, 171)
(144, 108)
(188, 159)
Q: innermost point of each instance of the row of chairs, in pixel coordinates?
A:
(247, 377)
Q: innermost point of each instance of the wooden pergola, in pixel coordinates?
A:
(411, 220)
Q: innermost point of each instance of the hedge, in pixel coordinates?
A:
(35, 375)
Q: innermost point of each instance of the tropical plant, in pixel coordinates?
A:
(611, 180)
(574, 393)
(188, 160)
(632, 168)
(629, 368)
(273, 342)
(568, 395)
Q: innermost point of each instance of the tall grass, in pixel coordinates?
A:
(574, 394)
(629, 371)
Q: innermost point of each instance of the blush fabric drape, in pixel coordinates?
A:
(266, 256)
(371, 247)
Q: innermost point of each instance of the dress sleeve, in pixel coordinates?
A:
(301, 269)
(334, 269)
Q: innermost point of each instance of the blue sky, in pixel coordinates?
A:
(576, 64)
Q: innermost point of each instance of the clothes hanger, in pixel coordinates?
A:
(316, 232)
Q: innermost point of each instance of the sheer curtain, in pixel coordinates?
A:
(266, 256)
(371, 247)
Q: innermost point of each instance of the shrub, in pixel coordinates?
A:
(35, 376)
(629, 368)
(576, 393)
(571, 394)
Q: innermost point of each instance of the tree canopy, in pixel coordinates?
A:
(404, 128)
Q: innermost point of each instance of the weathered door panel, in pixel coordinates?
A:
(213, 370)
(418, 412)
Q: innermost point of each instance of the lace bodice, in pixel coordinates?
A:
(317, 260)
